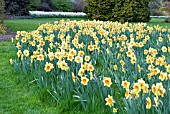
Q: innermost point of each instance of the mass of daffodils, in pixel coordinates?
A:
(124, 68)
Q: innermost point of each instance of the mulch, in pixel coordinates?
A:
(10, 34)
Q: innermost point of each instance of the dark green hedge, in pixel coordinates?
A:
(118, 10)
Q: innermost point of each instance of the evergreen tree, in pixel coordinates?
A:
(118, 10)
(17, 7)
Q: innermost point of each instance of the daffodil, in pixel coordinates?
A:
(78, 59)
(40, 57)
(81, 72)
(156, 100)
(81, 53)
(148, 103)
(70, 57)
(115, 67)
(125, 84)
(168, 68)
(107, 81)
(109, 101)
(26, 53)
(114, 110)
(87, 58)
(164, 49)
(84, 80)
(48, 67)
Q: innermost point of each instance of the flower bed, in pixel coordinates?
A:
(56, 14)
(160, 17)
(124, 67)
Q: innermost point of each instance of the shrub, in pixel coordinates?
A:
(118, 10)
(62, 5)
(17, 7)
(167, 20)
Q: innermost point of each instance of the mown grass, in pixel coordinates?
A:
(32, 24)
(158, 21)
(19, 96)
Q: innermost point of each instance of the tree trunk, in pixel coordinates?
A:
(2, 11)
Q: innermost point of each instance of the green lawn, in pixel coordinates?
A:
(158, 21)
(18, 96)
(32, 24)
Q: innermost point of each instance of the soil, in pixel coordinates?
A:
(9, 34)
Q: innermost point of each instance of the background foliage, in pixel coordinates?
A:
(155, 6)
(17, 7)
(78, 5)
(166, 8)
(45, 5)
(62, 5)
(57, 5)
(34, 4)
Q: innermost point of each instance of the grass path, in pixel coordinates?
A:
(17, 96)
